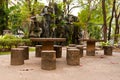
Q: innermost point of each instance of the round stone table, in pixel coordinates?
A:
(47, 43)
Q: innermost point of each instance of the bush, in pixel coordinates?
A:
(10, 36)
(8, 41)
(13, 42)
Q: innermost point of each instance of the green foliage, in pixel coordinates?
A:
(105, 43)
(15, 18)
(3, 16)
(4, 53)
(9, 36)
(13, 42)
(8, 41)
(94, 32)
(90, 18)
(32, 49)
(36, 7)
(20, 14)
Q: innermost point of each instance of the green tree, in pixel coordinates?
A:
(90, 18)
(3, 15)
(20, 14)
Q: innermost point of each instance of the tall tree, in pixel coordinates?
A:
(3, 15)
(117, 16)
(104, 20)
(111, 19)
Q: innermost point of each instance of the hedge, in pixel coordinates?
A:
(8, 43)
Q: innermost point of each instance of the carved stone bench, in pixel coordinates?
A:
(17, 56)
(73, 56)
(48, 61)
(58, 50)
(26, 52)
(38, 49)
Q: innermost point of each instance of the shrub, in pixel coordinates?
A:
(9, 36)
(14, 42)
(8, 41)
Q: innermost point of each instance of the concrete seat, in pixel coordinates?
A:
(26, 52)
(48, 61)
(81, 50)
(72, 45)
(58, 50)
(17, 57)
(38, 49)
(73, 57)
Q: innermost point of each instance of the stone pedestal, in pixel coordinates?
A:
(38, 49)
(17, 56)
(108, 50)
(73, 57)
(26, 52)
(48, 61)
(58, 50)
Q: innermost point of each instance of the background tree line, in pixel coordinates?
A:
(95, 16)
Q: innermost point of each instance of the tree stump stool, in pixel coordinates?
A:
(17, 56)
(81, 50)
(72, 45)
(73, 57)
(38, 50)
(108, 50)
(48, 61)
(58, 50)
(26, 52)
(70, 48)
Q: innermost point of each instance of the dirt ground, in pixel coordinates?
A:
(98, 67)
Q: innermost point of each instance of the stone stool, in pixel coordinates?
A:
(38, 50)
(48, 61)
(17, 56)
(58, 50)
(81, 50)
(70, 48)
(108, 50)
(72, 45)
(26, 52)
(73, 57)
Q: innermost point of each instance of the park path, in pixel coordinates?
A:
(97, 67)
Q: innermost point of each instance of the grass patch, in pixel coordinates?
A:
(4, 53)
(31, 49)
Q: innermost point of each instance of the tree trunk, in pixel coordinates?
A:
(117, 26)
(104, 20)
(110, 23)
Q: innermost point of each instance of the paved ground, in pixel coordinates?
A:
(98, 67)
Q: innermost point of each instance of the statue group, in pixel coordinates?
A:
(53, 23)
